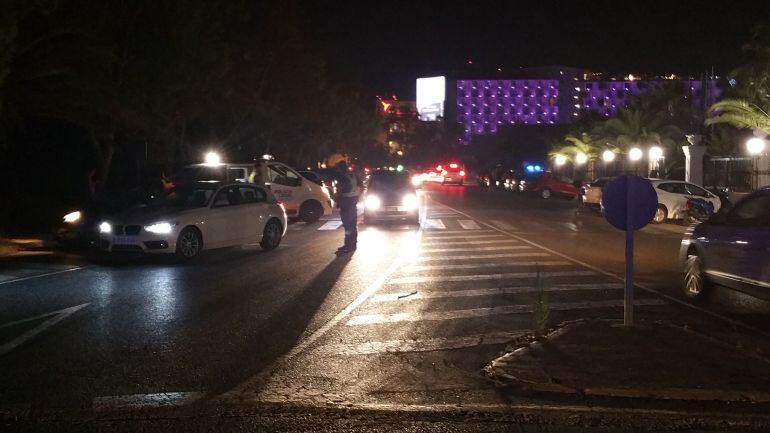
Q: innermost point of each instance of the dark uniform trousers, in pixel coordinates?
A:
(349, 216)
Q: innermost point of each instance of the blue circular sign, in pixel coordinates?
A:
(629, 201)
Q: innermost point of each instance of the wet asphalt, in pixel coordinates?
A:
(299, 325)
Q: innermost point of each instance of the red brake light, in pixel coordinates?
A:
(443, 173)
(453, 165)
(462, 173)
(438, 168)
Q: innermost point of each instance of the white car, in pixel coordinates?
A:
(196, 217)
(673, 196)
(591, 194)
(301, 197)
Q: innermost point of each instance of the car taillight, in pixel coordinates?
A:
(462, 173)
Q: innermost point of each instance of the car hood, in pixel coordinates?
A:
(151, 214)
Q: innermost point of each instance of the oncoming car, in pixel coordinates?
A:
(196, 217)
(390, 195)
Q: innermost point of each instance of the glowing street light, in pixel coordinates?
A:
(581, 158)
(655, 153)
(635, 154)
(400, 153)
(608, 156)
(755, 146)
(560, 160)
(212, 158)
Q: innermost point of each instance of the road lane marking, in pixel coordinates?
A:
(473, 235)
(621, 278)
(420, 268)
(437, 224)
(47, 274)
(438, 294)
(512, 275)
(55, 317)
(419, 316)
(331, 225)
(442, 234)
(469, 224)
(485, 242)
(142, 401)
(503, 225)
(456, 250)
(419, 345)
(482, 256)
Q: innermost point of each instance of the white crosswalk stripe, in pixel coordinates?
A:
(413, 269)
(330, 225)
(457, 250)
(430, 223)
(419, 345)
(372, 319)
(469, 235)
(437, 294)
(511, 275)
(483, 256)
(443, 233)
(469, 224)
(467, 242)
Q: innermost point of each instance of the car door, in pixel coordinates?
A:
(225, 218)
(698, 192)
(255, 212)
(285, 184)
(674, 196)
(745, 246)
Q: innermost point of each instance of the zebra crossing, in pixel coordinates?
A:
(470, 286)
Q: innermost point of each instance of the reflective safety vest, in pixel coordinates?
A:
(352, 190)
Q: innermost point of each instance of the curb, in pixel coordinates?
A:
(532, 378)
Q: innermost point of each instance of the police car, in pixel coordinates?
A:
(301, 197)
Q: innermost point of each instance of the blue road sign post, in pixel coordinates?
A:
(629, 204)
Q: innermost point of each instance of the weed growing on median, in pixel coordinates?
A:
(540, 309)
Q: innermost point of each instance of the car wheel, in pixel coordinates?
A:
(272, 235)
(189, 243)
(310, 211)
(546, 193)
(660, 214)
(695, 285)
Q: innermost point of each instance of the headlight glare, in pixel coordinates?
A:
(373, 202)
(72, 217)
(105, 227)
(410, 201)
(161, 228)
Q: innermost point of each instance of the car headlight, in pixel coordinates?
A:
(372, 202)
(105, 227)
(410, 201)
(417, 179)
(161, 228)
(72, 217)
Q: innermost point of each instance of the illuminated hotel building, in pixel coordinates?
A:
(541, 96)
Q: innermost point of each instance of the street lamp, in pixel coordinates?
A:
(755, 146)
(560, 160)
(656, 153)
(581, 158)
(635, 154)
(608, 156)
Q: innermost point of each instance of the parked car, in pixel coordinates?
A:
(198, 216)
(673, 196)
(591, 193)
(731, 249)
(391, 196)
(547, 184)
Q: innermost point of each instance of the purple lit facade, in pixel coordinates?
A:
(484, 106)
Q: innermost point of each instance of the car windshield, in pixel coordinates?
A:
(389, 180)
(188, 197)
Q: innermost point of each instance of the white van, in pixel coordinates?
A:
(301, 197)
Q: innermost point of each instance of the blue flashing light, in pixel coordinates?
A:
(531, 168)
(538, 168)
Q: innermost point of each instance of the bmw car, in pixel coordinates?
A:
(197, 217)
(391, 196)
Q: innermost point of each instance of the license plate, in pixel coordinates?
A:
(395, 209)
(124, 240)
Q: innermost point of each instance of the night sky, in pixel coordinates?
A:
(385, 45)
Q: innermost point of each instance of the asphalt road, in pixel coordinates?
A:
(409, 319)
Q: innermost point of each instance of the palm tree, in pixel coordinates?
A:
(739, 113)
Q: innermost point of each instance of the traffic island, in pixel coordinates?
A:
(651, 361)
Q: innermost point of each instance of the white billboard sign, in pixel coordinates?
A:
(431, 94)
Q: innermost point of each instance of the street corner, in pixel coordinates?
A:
(656, 361)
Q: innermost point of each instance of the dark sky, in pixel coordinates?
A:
(387, 44)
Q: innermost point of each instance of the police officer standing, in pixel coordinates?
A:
(349, 187)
